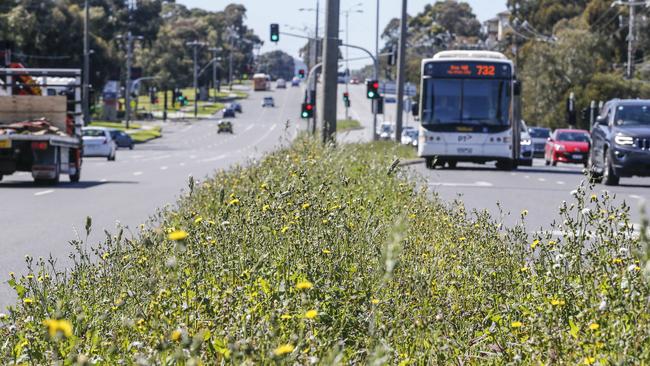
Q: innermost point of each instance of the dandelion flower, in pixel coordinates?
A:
(283, 350)
(28, 301)
(594, 326)
(265, 208)
(284, 229)
(234, 201)
(176, 335)
(304, 285)
(326, 251)
(524, 269)
(557, 302)
(306, 206)
(198, 220)
(55, 326)
(311, 314)
(177, 235)
(534, 243)
(517, 324)
(374, 301)
(285, 316)
(589, 360)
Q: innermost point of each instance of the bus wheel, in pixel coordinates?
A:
(505, 165)
(428, 162)
(451, 164)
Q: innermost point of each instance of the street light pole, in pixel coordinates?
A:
(86, 76)
(195, 46)
(127, 94)
(374, 112)
(330, 67)
(214, 51)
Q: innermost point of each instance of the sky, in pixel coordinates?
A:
(261, 13)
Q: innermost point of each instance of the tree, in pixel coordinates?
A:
(277, 64)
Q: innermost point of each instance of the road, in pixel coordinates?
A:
(41, 220)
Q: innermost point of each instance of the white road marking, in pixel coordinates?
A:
(163, 168)
(450, 184)
(103, 180)
(248, 128)
(42, 193)
(192, 157)
(560, 182)
(182, 164)
(222, 156)
(541, 179)
(636, 197)
(137, 173)
(527, 176)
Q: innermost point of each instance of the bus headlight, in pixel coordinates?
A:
(624, 140)
(526, 142)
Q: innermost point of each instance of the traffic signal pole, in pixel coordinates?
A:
(330, 71)
(311, 87)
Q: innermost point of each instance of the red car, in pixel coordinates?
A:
(567, 146)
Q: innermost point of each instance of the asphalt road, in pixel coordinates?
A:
(41, 220)
(538, 189)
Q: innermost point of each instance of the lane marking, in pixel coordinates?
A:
(527, 176)
(163, 168)
(137, 173)
(451, 184)
(42, 193)
(560, 182)
(248, 128)
(541, 179)
(222, 156)
(103, 180)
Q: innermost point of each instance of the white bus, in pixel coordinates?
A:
(468, 108)
(261, 82)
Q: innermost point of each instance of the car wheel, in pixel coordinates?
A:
(554, 162)
(131, 147)
(111, 157)
(609, 176)
(451, 164)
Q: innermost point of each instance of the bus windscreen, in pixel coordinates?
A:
(466, 102)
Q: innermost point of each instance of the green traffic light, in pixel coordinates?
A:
(305, 115)
(371, 95)
(274, 38)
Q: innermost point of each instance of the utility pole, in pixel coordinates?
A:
(214, 51)
(374, 110)
(86, 76)
(195, 47)
(631, 42)
(330, 69)
(401, 66)
(127, 94)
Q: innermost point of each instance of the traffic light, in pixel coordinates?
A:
(307, 110)
(301, 73)
(275, 32)
(372, 89)
(346, 99)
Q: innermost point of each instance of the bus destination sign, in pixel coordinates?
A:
(468, 70)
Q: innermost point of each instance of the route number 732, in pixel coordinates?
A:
(486, 70)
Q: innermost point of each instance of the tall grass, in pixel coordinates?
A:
(332, 256)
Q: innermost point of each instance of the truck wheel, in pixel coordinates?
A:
(0, 177)
(451, 164)
(428, 162)
(609, 176)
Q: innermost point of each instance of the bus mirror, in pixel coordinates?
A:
(415, 109)
(517, 88)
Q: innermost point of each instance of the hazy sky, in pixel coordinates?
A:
(261, 13)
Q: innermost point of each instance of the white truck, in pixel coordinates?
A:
(40, 123)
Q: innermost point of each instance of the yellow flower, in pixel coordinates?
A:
(283, 350)
(326, 251)
(524, 213)
(305, 206)
(311, 314)
(177, 235)
(594, 326)
(589, 360)
(594, 198)
(285, 316)
(284, 229)
(462, 238)
(551, 243)
(374, 301)
(264, 186)
(304, 285)
(28, 301)
(556, 302)
(234, 201)
(325, 221)
(523, 269)
(55, 326)
(176, 335)
(198, 220)
(534, 244)
(617, 261)
(516, 324)
(265, 208)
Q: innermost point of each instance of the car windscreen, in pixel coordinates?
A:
(572, 137)
(93, 133)
(466, 101)
(632, 115)
(539, 133)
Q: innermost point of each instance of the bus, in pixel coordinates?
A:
(469, 103)
(261, 82)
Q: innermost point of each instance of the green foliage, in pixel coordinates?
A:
(329, 255)
(277, 64)
(348, 124)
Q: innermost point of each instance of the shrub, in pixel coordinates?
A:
(322, 255)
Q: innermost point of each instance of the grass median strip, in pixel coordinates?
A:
(348, 124)
(330, 255)
(137, 133)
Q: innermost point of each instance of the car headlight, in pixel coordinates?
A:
(559, 148)
(624, 140)
(526, 141)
